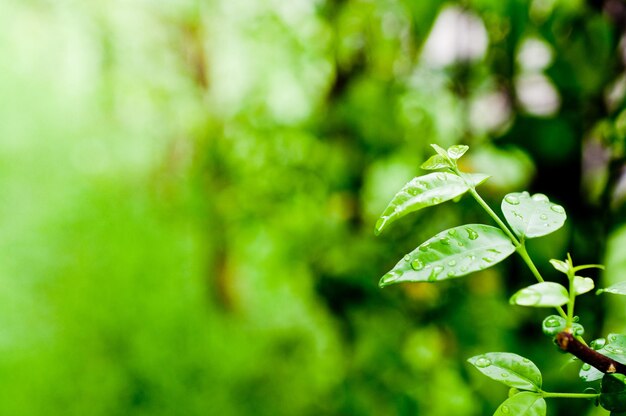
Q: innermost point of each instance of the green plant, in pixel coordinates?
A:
(472, 247)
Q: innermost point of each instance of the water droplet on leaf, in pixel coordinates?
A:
(552, 322)
(424, 247)
(451, 273)
(543, 217)
(452, 233)
(452, 263)
(487, 259)
(505, 409)
(598, 344)
(586, 367)
(471, 234)
(445, 241)
(417, 265)
(482, 362)
(391, 277)
(435, 200)
(511, 199)
(540, 198)
(558, 209)
(434, 273)
(413, 191)
(407, 258)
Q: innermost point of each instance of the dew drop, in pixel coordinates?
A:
(487, 259)
(435, 200)
(586, 367)
(441, 177)
(511, 199)
(413, 191)
(505, 409)
(434, 273)
(451, 273)
(461, 244)
(540, 198)
(552, 322)
(505, 375)
(482, 362)
(390, 277)
(525, 360)
(464, 269)
(445, 241)
(424, 247)
(452, 232)
(543, 217)
(558, 209)
(471, 234)
(612, 338)
(452, 263)
(493, 250)
(417, 265)
(598, 344)
(407, 258)
(471, 257)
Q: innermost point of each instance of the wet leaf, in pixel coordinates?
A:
(616, 289)
(541, 295)
(583, 285)
(455, 152)
(613, 392)
(510, 369)
(560, 265)
(436, 162)
(452, 253)
(523, 404)
(425, 191)
(532, 216)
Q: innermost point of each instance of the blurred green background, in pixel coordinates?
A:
(189, 190)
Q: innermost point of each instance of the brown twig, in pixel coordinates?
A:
(566, 341)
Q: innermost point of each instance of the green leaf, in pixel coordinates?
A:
(436, 162)
(613, 392)
(455, 152)
(440, 150)
(616, 289)
(532, 216)
(425, 191)
(541, 295)
(523, 404)
(452, 253)
(560, 265)
(582, 285)
(510, 369)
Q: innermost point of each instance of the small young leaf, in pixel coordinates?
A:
(440, 150)
(510, 369)
(560, 265)
(452, 253)
(613, 392)
(541, 295)
(425, 191)
(523, 404)
(532, 216)
(582, 285)
(616, 289)
(455, 152)
(436, 162)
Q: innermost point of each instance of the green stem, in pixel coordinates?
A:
(570, 395)
(495, 217)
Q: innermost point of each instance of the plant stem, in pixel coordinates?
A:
(570, 395)
(495, 217)
(572, 293)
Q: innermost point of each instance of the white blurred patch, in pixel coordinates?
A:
(615, 93)
(457, 36)
(534, 55)
(537, 95)
(490, 111)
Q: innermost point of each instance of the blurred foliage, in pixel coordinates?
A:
(190, 187)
